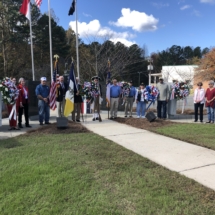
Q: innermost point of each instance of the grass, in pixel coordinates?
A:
(87, 174)
(198, 134)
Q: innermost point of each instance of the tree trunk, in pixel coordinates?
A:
(4, 54)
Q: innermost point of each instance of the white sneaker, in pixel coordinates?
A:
(143, 117)
(138, 116)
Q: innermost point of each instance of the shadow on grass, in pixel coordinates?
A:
(9, 143)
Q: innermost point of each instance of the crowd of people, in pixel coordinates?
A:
(201, 98)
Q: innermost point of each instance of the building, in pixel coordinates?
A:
(180, 73)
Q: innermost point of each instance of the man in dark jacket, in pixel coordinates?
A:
(77, 102)
(62, 87)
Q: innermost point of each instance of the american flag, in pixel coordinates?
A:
(38, 3)
(52, 95)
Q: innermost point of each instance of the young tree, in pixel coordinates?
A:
(206, 70)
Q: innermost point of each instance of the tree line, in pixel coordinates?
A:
(126, 63)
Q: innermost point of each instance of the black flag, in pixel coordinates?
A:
(72, 8)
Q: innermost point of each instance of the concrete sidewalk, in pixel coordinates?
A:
(193, 161)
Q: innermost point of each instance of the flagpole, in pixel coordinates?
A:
(50, 39)
(77, 52)
(32, 52)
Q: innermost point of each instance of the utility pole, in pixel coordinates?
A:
(150, 68)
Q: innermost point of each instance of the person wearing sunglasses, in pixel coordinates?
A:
(210, 101)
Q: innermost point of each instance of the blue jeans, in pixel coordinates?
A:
(210, 112)
(44, 111)
(159, 107)
(141, 106)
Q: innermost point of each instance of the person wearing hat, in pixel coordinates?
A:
(62, 87)
(42, 92)
(163, 98)
(130, 99)
(199, 100)
(97, 99)
(77, 102)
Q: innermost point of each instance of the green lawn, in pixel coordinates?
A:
(87, 174)
(199, 134)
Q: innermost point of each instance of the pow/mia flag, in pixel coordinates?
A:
(72, 8)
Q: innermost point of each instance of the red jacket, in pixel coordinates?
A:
(21, 97)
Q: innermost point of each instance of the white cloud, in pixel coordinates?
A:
(94, 30)
(185, 7)
(208, 1)
(160, 5)
(138, 21)
(87, 15)
(196, 13)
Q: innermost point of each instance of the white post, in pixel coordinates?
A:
(32, 52)
(50, 39)
(77, 52)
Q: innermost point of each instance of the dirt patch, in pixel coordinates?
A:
(73, 127)
(144, 123)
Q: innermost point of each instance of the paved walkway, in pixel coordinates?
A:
(193, 161)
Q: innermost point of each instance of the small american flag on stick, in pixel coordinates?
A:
(38, 3)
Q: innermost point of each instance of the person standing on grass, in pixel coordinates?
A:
(60, 98)
(23, 103)
(199, 100)
(130, 99)
(42, 93)
(163, 98)
(115, 92)
(210, 101)
(141, 102)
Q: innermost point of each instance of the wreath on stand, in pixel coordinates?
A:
(180, 91)
(10, 94)
(9, 91)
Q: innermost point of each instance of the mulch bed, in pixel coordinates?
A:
(144, 123)
(73, 127)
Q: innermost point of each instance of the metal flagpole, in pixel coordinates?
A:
(32, 52)
(77, 52)
(50, 39)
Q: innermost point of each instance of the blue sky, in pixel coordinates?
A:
(155, 24)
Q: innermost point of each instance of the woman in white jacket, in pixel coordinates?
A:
(199, 100)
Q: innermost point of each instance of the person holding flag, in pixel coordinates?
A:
(69, 106)
(60, 96)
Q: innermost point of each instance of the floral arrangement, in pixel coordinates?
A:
(9, 91)
(179, 90)
(125, 88)
(152, 93)
(89, 90)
